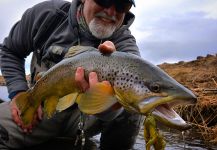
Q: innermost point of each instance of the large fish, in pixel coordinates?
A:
(136, 84)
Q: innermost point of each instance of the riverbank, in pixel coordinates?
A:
(200, 76)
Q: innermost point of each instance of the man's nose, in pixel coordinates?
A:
(111, 11)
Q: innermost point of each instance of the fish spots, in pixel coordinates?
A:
(124, 80)
(116, 73)
(140, 89)
(129, 82)
(108, 74)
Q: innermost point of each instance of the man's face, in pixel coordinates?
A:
(102, 21)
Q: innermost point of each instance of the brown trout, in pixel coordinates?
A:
(136, 84)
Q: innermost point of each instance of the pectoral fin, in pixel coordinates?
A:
(97, 99)
(66, 101)
(50, 106)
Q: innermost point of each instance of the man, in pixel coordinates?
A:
(48, 30)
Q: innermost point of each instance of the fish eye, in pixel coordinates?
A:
(155, 87)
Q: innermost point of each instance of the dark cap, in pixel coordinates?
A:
(133, 2)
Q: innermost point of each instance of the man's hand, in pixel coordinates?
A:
(16, 116)
(82, 83)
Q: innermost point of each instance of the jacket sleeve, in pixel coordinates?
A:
(14, 50)
(126, 42)
(21, 41)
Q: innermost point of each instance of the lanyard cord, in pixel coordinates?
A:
(80, 137)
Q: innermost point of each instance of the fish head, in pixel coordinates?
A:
(155, 91)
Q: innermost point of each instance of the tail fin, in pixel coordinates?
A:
(22, 101)
(27, 111)
(28, 115)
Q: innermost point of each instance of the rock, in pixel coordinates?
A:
(199, 57)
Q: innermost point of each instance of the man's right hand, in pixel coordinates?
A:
(16, 116)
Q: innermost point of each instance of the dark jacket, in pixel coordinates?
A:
(46, 25)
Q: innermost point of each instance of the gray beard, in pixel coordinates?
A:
(101, 31)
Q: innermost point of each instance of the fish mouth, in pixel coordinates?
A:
(168, 116)
(162, 110)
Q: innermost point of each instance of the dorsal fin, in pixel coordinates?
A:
(75, 50)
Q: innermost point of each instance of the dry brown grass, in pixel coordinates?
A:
(204, 119)
(201, 77)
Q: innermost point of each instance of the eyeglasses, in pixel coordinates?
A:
(121, 6)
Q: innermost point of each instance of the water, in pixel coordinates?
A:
(4, 93)
(176, 140)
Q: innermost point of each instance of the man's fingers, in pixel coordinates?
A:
(27, 129)
(80, 80)
(107, 47)
(93, 79)
(40, 113)
(16, 117)
(82, 83)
